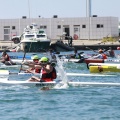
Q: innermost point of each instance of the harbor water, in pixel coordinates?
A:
(19, 102)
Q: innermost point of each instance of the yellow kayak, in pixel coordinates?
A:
(98, 69)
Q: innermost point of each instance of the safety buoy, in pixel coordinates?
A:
(118, 48)
(75, 37)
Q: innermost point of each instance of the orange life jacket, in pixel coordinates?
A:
(37, 70)
(47, 77)
(104, 56)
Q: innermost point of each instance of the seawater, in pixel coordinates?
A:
(74, 103)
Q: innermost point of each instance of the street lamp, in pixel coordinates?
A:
(62, 27)
(50, 27)
(29, 8)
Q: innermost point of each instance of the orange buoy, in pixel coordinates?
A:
(75, 37)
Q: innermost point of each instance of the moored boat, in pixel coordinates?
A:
(34, 40)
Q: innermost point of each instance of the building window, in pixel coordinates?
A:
(59, 27)
(6, 26)
(41, 27)
(6, 31)
(76, 29)
(13, 27)
(83, 26)
(6, 37)
(100, 26)
(44, 27)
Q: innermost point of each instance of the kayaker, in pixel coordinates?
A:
(111, 52)
(101, 55)
(32, 69)
(52, 54)
(76, 55)
(6, 59)
(48, 72)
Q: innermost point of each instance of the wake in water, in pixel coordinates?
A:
(62, 75)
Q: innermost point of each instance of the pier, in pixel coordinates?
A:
(78, 44)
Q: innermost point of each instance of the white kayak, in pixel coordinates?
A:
(19, 61)
(3, 66)
(72, 60)
(7, 72)
(112, 61)
(69, 60)
(41, 84)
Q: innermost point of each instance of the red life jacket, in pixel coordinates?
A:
(47, 77)
(37, 70)
(8, 58)
(104, 56)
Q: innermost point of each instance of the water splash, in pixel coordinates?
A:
(62, 75)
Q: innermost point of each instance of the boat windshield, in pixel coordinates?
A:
(29, 36)
(40, 36)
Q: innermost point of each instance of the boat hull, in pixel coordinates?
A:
(87, 61)
(35, 46)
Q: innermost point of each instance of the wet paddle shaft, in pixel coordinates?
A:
(23, 58)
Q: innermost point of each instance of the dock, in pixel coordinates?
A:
(78, 44)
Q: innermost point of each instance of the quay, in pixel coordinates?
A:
(77, 44)
(94, 44)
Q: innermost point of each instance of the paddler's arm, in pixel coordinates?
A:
(48, 68)
(32, 65)
(97, 56)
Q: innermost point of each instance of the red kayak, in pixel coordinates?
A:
(87, 61)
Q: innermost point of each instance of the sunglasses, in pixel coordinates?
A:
(35, 59)
(43, 61)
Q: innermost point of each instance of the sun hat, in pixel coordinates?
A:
(44, 59)
(35, 57)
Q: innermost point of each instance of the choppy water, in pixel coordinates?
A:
(73, 103)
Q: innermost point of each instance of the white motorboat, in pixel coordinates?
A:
(33, 40)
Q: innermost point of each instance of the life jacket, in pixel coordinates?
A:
(37, 70)
(47, 77)
(104, 56)
(77, 56)
(8, 58)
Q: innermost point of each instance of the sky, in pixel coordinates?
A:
(12, 9)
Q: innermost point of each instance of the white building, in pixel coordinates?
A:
(79, 28)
